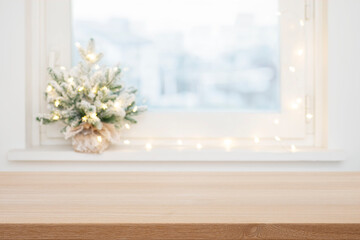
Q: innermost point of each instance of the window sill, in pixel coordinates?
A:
(66, 153)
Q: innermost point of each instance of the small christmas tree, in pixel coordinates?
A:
(91, 101)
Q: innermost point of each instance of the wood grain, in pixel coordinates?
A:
(179, 206)
(180, 231)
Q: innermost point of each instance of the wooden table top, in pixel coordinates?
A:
(215, 199)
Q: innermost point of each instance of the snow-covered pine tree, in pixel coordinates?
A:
(90, 97)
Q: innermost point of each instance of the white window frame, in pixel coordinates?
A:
(49, 44)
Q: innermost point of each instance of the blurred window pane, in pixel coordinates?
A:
(189, 54)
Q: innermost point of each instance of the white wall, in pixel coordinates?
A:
(343, 83)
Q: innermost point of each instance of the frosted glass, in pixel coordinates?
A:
(189, 54)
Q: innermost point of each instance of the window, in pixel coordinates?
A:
(210, 69)
(189, 54)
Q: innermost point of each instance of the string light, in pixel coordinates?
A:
(77, 44)
(256, 140)
(179, 142)
(49, 88)
(199, 146)
(103, 88)
(309, 116)
(148, 147)
(84, 118)
(293, 148)
(96, 67)
(117, 104)
(295, 105)
(104, 106)
(115, 69)
(301, 22)
(227, 142)
(99, 139)
(300, 52)
(127, 126)
(93, 115)
(70, 79)
(276, 121)
(81, 89)
(292, 69)
(277, 138)
(56, 103)
(91, 57)
(135, 109)
(126, 142)
(62, 68)
(56, 117)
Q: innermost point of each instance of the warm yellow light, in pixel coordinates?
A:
(292, 69)
(276, 121)
(199, 146)
(126, 142)
(103, 88)
(63, 68)
(104, 106)
(93, 115)
(56, 117)
(298, 100)
(135, 109)
(227, 142)
(94, 90)
(295, 105)
(293, 148)
(256, 140)
(148, 146)
(277, 138)
(96, 67)
(81, 89)
(179, 142)
(301, 22)
(84, 118)
(127, 126)
(49, 88)
(70, 79)
(300, 52)
(56, 103)
(99, 139)
(117, 104)
(309, 116)
(115, 69)
(91, 57)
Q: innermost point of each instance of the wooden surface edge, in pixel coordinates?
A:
(179, 231)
